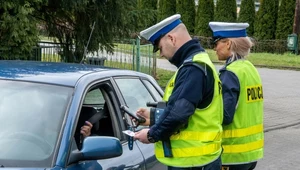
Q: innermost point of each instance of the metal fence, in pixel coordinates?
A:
(47, 51)
(133, 55)
(128, 54)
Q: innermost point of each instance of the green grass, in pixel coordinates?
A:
(127, 66)
(51, 57)
(145, 50)
(280, 61)
(163, 76)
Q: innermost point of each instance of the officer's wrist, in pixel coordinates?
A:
(150, 138)
(152, 119)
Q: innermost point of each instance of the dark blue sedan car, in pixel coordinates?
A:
(43, 106)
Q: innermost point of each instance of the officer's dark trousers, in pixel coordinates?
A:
(249, 166)
(216, 165)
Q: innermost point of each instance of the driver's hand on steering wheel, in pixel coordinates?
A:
(86, 129)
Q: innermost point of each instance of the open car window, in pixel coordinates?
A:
(98, 108)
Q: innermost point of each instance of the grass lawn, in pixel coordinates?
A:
(280, 61)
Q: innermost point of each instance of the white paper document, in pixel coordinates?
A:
(129, 133)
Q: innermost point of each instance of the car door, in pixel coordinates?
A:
(103, 95)
(136, 92)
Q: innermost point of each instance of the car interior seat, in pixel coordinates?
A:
(105, 124)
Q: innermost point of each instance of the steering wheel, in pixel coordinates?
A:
(32, 138)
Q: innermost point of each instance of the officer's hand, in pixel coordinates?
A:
(142, 136)
(145, 113)
(86, 129)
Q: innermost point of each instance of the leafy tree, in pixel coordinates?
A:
(148, 16)
(18, 29)
(285, 19)
(71, 21)
(187, 10)
(265, 24)
(247, 14)
(226, 11)
(204, 14)
(166, 8)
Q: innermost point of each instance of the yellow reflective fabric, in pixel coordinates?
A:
(240, 148)
(243, 132)
(243, 139)
(190, 152)
(200, 142)
(202, 136)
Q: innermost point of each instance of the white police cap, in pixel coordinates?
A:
(228, 30)
(155, 32)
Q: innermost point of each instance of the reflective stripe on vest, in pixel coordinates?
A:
(202, 136)
(238, 148)
(243, 132)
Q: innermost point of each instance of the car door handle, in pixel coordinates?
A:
(133, 167)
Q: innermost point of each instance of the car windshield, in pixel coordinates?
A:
(31, 117)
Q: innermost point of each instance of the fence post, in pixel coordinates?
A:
(133, 53)
(154, 65)
(138, 47)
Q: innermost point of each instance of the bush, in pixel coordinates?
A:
(187, 10)
(247, 14)
(265, 23)
(225, 11)
(270, 46)
(285, 19)
(205, 14)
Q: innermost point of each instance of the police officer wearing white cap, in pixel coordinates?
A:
(243, 136)
(194, 113)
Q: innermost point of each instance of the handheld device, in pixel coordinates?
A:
(138, 118)
(156, 110)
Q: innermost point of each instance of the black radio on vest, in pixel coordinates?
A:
(156, 110)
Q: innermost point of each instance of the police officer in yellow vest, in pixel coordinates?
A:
(192, 120)
(243, 137)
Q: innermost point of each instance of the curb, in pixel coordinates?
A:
(281, 127)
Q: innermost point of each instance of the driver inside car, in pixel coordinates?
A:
(86, 129)
(84, 132)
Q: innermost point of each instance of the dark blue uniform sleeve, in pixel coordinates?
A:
(187, 93)
(230, 91)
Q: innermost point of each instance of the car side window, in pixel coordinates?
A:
(154, 91)
(135, 93)
(94, 97)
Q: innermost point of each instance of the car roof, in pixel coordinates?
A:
(51, 72)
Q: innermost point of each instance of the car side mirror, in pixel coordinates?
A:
(97, 147)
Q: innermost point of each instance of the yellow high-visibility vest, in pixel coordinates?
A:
(200, 143)
(243, 139)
